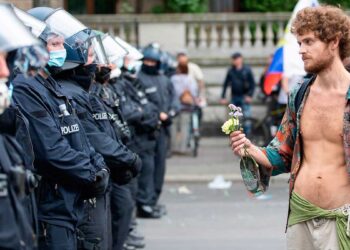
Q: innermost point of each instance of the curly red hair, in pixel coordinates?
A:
(328, 23)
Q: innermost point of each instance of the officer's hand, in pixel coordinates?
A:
(136, 169)
(122, 176)
(237, 141)
(101, 183)
(163, 116)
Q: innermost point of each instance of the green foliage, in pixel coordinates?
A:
(345, 4)
(283, 5)
(126, 7)
(268, 5)
(182, 6)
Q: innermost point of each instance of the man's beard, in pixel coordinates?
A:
(321, 64)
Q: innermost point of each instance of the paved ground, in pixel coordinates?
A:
(216, 219)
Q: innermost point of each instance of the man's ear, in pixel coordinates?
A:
(334, 44)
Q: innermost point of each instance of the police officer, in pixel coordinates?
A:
(123, 163)
(15, 230)
(160, 92)
(121, 196)
(142, 118)
(69, 166)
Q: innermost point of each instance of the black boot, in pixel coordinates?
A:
(147, 212)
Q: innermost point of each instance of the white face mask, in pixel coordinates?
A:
(4, 95)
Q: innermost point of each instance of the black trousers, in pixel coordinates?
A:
(146, 189)
(122, 205)
(52, 237)
(160, 163)
(92, 229)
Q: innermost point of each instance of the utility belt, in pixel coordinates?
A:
(23, 181)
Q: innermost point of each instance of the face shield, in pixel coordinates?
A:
(14, 34)
(97, 53)
(113, 49)
(133, 53)
(76, 36)
(35, 26)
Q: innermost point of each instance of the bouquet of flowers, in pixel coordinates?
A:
(248, 166)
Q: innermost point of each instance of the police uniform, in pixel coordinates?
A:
(14, 125)
(16, 231)
(63, 157)
(160, 92)
(120, 160)
(122, 201)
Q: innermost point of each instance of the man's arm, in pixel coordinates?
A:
(251, 82)
(226, 84)
(199, 77)
(278, 154)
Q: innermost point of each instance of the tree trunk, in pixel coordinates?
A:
(139, 6)
(39, 3)
(90, 6)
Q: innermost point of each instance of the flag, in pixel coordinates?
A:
(286, 59)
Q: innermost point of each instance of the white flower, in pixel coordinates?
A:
(230, 126)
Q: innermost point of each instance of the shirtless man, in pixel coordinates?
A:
(315, 149)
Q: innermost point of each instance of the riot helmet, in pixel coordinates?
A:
(14, 34)
(18, 43)
(114, 49)
(129, 63)
(40, 30)
(77, 36)
(152, 53)
(151, 60)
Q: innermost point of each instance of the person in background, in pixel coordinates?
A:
(194, 71)
(241, 80)
(186, 92)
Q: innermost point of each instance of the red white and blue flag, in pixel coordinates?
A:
(286, 60)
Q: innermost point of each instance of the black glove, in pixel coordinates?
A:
(99, 187)
(136, 166)
(122, 176)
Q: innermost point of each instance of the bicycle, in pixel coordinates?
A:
(193, 134)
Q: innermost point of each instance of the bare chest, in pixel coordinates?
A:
(322, 118)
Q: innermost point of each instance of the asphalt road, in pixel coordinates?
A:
(207, 219)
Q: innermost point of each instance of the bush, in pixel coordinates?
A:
(182, 6)
(283, 5)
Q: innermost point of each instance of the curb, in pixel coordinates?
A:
(209, 178)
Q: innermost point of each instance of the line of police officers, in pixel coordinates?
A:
(82, 143)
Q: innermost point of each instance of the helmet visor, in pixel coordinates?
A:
(97, 53)
(35, 25)
(133, 53)
(114, 50)
(65, 23)
(13, 33)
